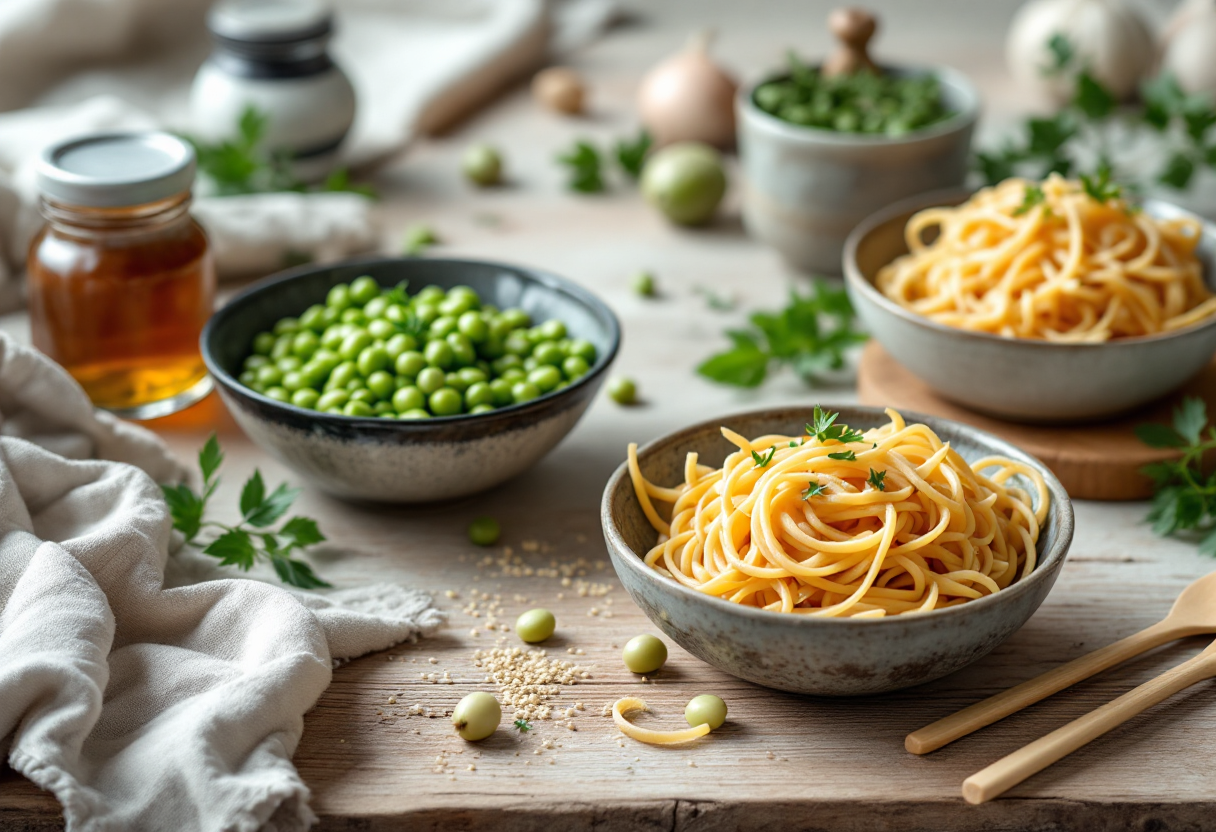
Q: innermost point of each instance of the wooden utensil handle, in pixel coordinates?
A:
(1013, 769)
(994, 708)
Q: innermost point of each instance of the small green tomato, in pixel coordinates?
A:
(477, 716)
(705, 709)
(535, 625)
(482, 165)
(644, 654)
(484, 531)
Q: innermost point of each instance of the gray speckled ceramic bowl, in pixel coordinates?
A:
(828, 656)
(414, 461)
(1017, 378)
(805, 188)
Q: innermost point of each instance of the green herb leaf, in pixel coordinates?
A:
(877, 479)
(814, 490)
(273, 507)
(1091, 98)
(301, 531)
(824, 428)
(1159, 436)
(185, 508)
(843, 455)
(210, 458)
(233, 548)
(253, 494)
(1184, 499)
(1178, 170)
(1062, 53)
(584, 163)
(418, 238)
(1099, 187)
(1033, 196)
(631, 155)
(1190, 417)
(297, 573)
(745, 365)
(762, 461)
(523, 725)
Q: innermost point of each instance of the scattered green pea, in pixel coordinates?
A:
(484, 531)
(417, 239)
(536, 625)
(482, 165)
(643, 284)
(644, 654)
(622, 390)
(705, 709)
(477, 716)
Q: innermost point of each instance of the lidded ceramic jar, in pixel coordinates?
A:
(272, 55)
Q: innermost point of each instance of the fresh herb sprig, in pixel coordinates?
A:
(253, 537)
(1085, 132)
(811, 335)
(1184, 497)
(1034, 196)
(243, 165)
(631, 153)
(523, 726)
(762, 460)
(587, 166)
(824, 428)
(813, 490)
(846, 456)
(878, 479)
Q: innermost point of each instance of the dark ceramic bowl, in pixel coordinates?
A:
(414, 461)
(803, 654)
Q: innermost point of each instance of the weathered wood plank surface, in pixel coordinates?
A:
(781, 761)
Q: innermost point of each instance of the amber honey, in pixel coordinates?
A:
(118, 296)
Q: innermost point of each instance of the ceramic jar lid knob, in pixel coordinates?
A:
(853, 28)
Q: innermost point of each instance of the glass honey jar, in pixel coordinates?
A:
(120, 278)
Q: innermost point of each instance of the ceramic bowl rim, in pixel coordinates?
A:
(548, 280)
(965, 118)
(954, 196)
(1048, 562)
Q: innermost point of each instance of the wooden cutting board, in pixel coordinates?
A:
(1095, 461)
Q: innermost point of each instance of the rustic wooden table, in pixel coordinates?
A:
(781, 761)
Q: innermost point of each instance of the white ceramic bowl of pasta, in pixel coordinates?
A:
(812, 654)
(1022, 379)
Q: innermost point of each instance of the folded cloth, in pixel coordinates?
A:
(144, 703)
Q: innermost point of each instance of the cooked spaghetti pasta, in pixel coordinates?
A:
(1048, 261)
(884, 522)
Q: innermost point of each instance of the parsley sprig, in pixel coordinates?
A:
(631, 153)
(813, 490)
(587, 167)
(253, 537)
(523, 726)
(1088, 129)
(1184, 497)
(762, 460)
(811, 335)
(1034, 196)
(878, 479)
(824, 428)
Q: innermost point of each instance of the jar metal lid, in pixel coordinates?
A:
(270, 21)
(111, 170)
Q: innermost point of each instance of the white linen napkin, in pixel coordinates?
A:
(147, 702)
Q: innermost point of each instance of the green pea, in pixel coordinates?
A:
(326, 357)
(534, 626)
(472, 375)
(362, 395)
(548, 352)
(339, 297)
(574, 367)
(426, 313)
(332, 399)
(644, 654)
(381, 329)
(462, 349)
(441, 326)
(584, 349)
(513, 375)
(553, 330)
(358, 408)
(293, 381)
(356, 383)
(466, 296)
(399, 343)
(258, 386)
(500, 327)
(473, 327)
(516, 318)
(281, 348)
(491, 348)
(410, 363)
(354, 315)
(477, 716)
(375, 307)
(373, 359)
(546, 378)
(333, 336)
(363, 289)
(288, 364)
(501, 389)
(524, 391)
(278, 394)
(408, 398)
(333, 411)
(643, 284)
(705, 709)
(535, 335)
(445, 402)
(383, 409)
(416, 413)
(477, 410)
(248, 378)
(269, 375)
(506, 362)
(396, 313)
(381, 383)
(305, 397)
(430, 380)
(478, 393)
(305, 343)
(622, 390)
(263, 343)
(530, 364)
(454, 381)
(342, 374)
(517, 344)
(256, 361)
(286, 326)
(313, 318)
(354, 344)
(439, 354)
(484, 531)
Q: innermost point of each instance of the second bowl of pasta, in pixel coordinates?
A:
(1041, 302)
(836, 553)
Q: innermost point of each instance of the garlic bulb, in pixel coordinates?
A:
(688, 97)
(1108, 38)
(1188, 46)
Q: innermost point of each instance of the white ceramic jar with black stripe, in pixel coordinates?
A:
(271, 55)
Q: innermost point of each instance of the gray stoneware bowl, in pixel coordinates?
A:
(389, 460)
(825, 656)
(1016, 378)
(806, 188)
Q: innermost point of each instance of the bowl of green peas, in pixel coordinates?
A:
(410, 380)
(819, 153)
